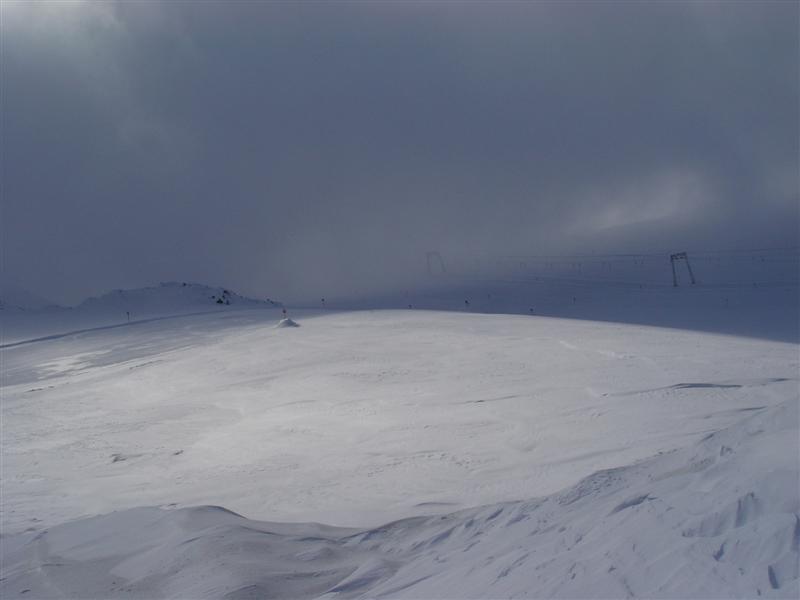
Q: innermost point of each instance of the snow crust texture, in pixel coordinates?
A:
(716, 519)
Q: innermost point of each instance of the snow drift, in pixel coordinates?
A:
(717, 519)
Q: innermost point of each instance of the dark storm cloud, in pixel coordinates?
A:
(293, 149)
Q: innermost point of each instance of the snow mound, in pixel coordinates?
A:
(720, 518)
(287, 322)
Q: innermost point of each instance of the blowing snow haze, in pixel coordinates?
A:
(306, 149)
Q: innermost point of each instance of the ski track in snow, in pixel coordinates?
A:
(661, 461)
(57, 336)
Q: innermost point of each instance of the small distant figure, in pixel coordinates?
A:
(466, 304)
(530, 310)
(409, 306)
(128, 313)
(284, 313)
(323, 302)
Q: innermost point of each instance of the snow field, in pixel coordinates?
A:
(716, 519)
(605, 459)
(358, 418)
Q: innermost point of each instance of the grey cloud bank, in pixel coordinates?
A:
(298, 150)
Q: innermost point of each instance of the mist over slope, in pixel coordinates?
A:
(15, 298)
(753, 293)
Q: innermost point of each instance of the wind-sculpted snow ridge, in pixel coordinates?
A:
(720, 518)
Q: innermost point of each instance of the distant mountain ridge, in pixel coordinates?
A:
(13, 297)
(26, 317)
(172, 295)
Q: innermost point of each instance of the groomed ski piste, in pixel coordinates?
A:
(592, 448)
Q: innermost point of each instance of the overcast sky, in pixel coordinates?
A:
(305, 149)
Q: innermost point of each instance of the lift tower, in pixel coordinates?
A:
(680, 256)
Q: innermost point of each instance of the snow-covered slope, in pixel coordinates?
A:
(358, 418)
(610, 459)
(716, 519)
(121, 307)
